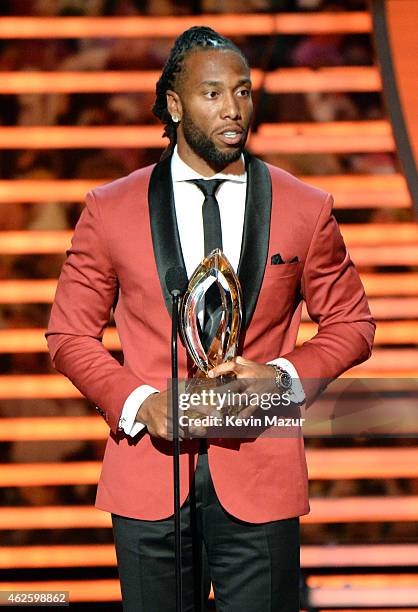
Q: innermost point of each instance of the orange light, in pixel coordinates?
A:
(86, 555)
(70, 137)
(40, 474)
(403, 235)
(370, 234)
(327, 137)
(284, 80)
(396, 284)
(21, 242)
(323, 464)
(352, 555)
(35, 386)
(46, 190)
(94, 427)
(395, 363)
(375, 591)
(379, 127)
(158, 27)
(362, 509)
(54, 428)
(362, 191)
(370, 580)
(78, 82)
(331, 463)
(80, 590)
(387, 332)
(388, 362)
(27, 291)
(402, 255)
(351, 191)
(332, 137)
(389, 308)
(33, 340)
(340, 510)
(90, 555)
(336, 78)
(53, 517)
(43, 291)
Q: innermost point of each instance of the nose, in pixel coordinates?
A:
(230, 108)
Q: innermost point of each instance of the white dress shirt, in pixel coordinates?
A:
(188, 201)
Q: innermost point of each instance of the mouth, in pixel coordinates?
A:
(231, 136)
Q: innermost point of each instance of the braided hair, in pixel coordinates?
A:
(197, 37)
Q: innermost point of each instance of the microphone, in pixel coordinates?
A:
(176, 281)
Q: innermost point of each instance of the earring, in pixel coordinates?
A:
(175, 119)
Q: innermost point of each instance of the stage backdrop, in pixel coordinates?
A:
(395, 29)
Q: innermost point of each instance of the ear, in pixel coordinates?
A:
(174, 106)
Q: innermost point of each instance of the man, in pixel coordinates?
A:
(245, 496)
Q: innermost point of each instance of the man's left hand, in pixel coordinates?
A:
(243, 368)
(250, 378)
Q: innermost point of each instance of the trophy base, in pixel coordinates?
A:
(205, 384)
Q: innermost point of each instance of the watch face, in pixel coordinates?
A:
(285, 380)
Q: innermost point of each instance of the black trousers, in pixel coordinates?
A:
(253, 567)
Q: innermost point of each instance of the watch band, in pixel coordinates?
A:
(282, 378)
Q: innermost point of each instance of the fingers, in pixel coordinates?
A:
(229, 367)
(170, 437)
(158, 419)
(197, 432)
(234, 366)
(165, 431)
(242, 368)
(163, 428)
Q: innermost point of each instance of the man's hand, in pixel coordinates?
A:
(243, 368)
(252, 392)
(155, 413)
(251, 378)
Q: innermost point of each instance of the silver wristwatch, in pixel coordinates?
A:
(282, 379)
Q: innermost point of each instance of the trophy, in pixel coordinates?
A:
(213, 341)
(210, 319)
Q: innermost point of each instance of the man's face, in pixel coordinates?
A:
(215, 108)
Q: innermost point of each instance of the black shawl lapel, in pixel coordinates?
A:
(255, 240)
(164, 230)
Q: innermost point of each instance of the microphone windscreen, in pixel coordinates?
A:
(176, 280)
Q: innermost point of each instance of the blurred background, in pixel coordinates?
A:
(77, 83)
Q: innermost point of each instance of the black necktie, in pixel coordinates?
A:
(210, 212)
(212, 231)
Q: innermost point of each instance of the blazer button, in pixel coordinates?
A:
(100, 411)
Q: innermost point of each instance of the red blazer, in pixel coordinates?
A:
(123, 244)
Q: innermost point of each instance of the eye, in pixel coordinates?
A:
(244, 93)
(211, 94)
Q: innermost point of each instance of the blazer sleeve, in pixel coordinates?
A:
(335, 300)
(81, 310)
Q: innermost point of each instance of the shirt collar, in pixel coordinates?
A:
(180, 171)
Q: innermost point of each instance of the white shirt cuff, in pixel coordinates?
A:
(297, 394)
(130, 408)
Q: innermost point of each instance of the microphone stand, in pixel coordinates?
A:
(175, 294)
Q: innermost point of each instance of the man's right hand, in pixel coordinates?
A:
(155, 413)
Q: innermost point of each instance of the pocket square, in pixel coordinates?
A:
(278, 259)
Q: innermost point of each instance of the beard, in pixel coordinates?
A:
(206, 149)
